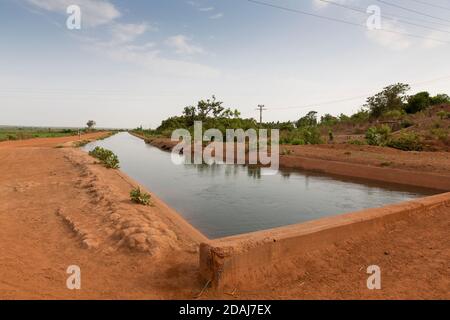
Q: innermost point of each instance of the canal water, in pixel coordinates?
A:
(225, 200)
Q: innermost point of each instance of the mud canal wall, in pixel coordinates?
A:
(352, 170)
(344, 169)
(239, 261)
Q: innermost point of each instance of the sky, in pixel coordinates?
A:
(138, 62)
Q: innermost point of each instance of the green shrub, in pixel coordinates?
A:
(394, 114)
(137, 196)
(440, 133)
(301, 136)
(406, 142)
(406, 123)
(443, 114)
(418, 102)
(297, 142)
(357, 142)
(440, 99)
(378, 136)
(112, 162)
(82, 143)
(107, 157)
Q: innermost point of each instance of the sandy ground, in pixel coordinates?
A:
(59, 208)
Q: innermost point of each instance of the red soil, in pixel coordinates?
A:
(59, 208)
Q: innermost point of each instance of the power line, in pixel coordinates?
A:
(389, 17)
(414, 11)
(318, 104)
(304, 13)
(342, 21)
(432, 5)
(407, 18)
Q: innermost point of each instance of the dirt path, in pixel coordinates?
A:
(51, 142)
(58, 208)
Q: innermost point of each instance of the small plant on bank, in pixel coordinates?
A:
(357, 142)
(137, 196)
(443, 114)
(82, 143)
(378, 136)
(406, 142)
(106, 157)
(330, 136)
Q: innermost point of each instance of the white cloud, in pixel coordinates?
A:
(392, 40)
(192, 3)
(122, 46)
(123, 33)
(395, 34)
(216, 16)
(319, 4)
(93, 12)
(432, 44)
(149, 58)
(206, 9)
(182, 46)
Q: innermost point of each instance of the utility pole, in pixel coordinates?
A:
(261, 107)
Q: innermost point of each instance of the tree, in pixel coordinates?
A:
(204, 108)
(328, 120)
(90, 124)
(207, 108)
(418, 102)
(190, 114)
(361, 116)
(440, 99)
(308, 121)
(391, 98)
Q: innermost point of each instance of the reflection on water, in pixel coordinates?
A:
(223, 200)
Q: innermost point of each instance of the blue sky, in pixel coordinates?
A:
(137, 62)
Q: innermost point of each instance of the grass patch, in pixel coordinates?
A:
(107, 157)
(82, 143)
(137, 196)
(406, 142)
(23, 133)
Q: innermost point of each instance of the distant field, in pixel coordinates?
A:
(16, 133)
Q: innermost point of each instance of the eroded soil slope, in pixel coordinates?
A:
(57, 209)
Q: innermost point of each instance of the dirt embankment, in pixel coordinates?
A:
(428, 162)
(58, 208)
